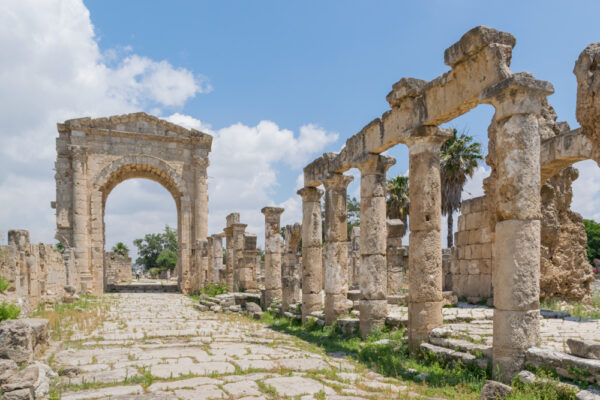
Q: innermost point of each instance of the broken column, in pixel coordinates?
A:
(238, 254)
(425, 299)
(272, 253)
(248, 269)
(396, 257)
(336, 247)
(373, 268)
(290, 267)
(312, 298)
(514, 135)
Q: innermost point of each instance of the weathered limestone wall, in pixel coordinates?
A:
(470, 272)
(37, 272)
(117, 268)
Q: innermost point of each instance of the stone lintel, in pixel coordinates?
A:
(272, 211)
(561, 151)
(475, 40)
(405, 87)
(440, 100)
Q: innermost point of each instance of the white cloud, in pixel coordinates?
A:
(53, 70)
(246, 163)
(586, 190)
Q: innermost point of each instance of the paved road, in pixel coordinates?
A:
(157, 346)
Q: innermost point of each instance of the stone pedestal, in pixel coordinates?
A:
(515, 186)
(273, 249)
(312, 300)
(425, 242)
(373, 268)
(336, 247)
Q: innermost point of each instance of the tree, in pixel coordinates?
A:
(353, 207)
(167, 260)
(397, 198)
(153, 244)
(459, 158)
(121, 249)
(592, 229)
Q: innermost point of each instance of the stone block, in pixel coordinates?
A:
(22, 339)
(516, 273)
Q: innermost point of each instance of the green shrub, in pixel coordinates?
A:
(4, 284)
(9, 311)
(212, 290)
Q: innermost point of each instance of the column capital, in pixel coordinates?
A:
(238, 227)
(233, 218)
(272, 211)
(310, 193)
(520, 93)
(228, 231)
(431, 135)
(337, 181)
(374, 164)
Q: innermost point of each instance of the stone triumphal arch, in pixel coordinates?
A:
(95, 155)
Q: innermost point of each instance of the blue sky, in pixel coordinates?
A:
(313, 72)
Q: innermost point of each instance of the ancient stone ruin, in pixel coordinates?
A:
(516, 244)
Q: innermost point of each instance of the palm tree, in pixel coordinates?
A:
(121, 249)
(397, 198)
(459, 157)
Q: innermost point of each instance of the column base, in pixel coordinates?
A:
(422, 318)
(336, 305)
(372, 316)
(311, 302)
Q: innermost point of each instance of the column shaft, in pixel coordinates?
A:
(80, 241)
(312, 299)
(273, 249)
(336, 247)
(373, 267)
(515, 137)
(238, 256)
(425, 241)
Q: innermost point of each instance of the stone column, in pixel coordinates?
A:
(81, 241)
(209, 276)
(373, 268)
(201, 198)
(425, 240)
(290, 269)
(272, 253)
(248, 271)
(312, 299)
(201, 272)
(233, 218)
(217, 251)
(229, 263)
(336, 247)
(354, 257)
(238, 254)
(514, 133)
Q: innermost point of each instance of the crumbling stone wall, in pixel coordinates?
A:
(470, 273)
(117, 268)
(37, 273)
